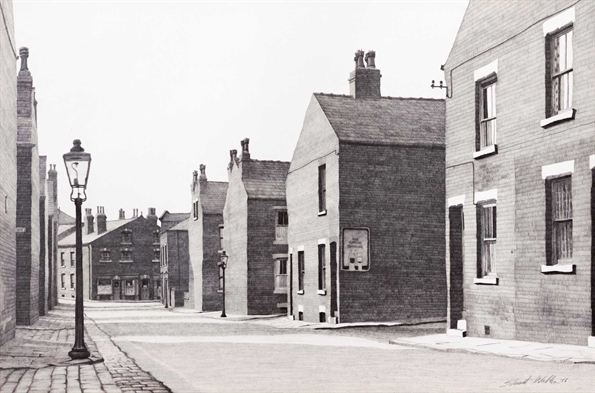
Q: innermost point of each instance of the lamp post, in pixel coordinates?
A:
(77, 164)
(223, 265)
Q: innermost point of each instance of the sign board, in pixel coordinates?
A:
(356, 249)
(104, 289)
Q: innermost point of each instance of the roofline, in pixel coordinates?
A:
(425, 145)
(382, 97)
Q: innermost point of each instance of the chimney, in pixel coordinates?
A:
(134, 213)
(233, 158)
(152, 216)
(53, 189)
(101, 220)
(122, 215)
(89, 220)
(245, 149)
(364, 82)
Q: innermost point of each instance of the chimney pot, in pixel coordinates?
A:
(370, 59)
(359, 59)
(24, 55)
(203, 174)
(122, 215)
(245, 148)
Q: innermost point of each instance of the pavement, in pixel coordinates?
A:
(36, 360)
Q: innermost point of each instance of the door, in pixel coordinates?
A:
(116, 289)
(334, 281)
(145, 290)
(455, 216)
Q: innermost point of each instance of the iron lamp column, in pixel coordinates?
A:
(223, 265)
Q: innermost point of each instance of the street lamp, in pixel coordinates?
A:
(77, 164)
(223, 264)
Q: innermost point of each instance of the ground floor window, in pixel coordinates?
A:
(281, 275)
(487, 238)
(130, 287)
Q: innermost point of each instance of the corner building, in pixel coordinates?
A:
(256, 277)
(365, 192)
(520, 154)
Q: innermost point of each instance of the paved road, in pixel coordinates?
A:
(194, 353)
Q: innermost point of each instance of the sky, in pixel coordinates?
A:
(154, 89)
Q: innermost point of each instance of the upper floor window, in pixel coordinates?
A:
(156, 237)
(156, 255)
(487, 238)
(62, 261)
(127, 236)
(281, 276)
(560, 196)
(195, 210)
(63, 281)
(559, 68)
(105, 256)
(72, 258)
(486, 126)
(281, 226)
(126, 255)
(322, 189)
(72, 281)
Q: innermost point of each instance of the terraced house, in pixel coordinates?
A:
(520, 158)
(365, 195)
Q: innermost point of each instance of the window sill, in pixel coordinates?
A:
(322, 213)
(560, 269)
(126, 261)
(280, 242)
(486, 280)
(321, 292)
(487, 151)
(155, 261)
(219, 290)
(105, 261)
(300, 292)
(568, 114)
(282, 291)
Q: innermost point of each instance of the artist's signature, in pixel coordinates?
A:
(549, 379)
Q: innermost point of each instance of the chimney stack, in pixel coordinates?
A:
(101, 220)
(245, 149)
(134, 213)
(364, 82)
(122, 215)
(152, 216)
(233, 157)
(89, 219)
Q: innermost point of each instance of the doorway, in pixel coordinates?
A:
(455, 216)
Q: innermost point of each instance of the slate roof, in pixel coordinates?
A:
(181, 226)
(265, 179)
(70, 240)
(213, 197)
(386, 120)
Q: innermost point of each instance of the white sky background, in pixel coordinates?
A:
(154, 89)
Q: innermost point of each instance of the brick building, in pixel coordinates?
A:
(205, 236)
(28, 233)
(253, 240)
(174, 259)
(52, 235)
(365, 195)
(520, 139)
(120, 258)
(8, 172)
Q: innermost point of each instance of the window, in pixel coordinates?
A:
(561, 219)
(130, 288)
(322, 189)
(72, 281)
(281, 275)
(301, 271)
(281, 227)
(62, 261)
(156, 237)
(195, 210)
(63, 281)
(221, 237)
(125, 255)
(559, 69)
(321, 268)
(156, 255)
(220, 279)
(487, 239)
(105, 256)
(72, 259)
(127, 236)
(486, 126)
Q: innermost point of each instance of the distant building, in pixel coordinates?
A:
(28, 233)
(120, 258)
(174, 259)
(520, 175)
(8, 173)
(365, 196)
(256, 278)
(205, 236)
(52, 235)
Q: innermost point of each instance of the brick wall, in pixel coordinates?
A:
(8, 173)
(211, 297)
(178, 261)
(526, 304)
(398, 193)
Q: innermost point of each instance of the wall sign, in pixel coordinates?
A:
(356, 249)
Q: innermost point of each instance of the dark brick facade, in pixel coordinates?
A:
(174, 259)
(8, 174)
(128, 268)
(255, 188)
(527, 296)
